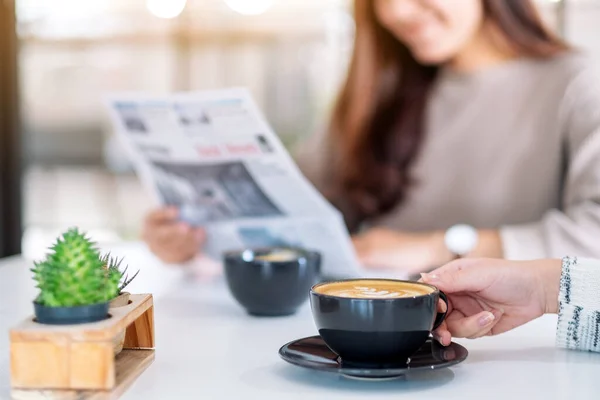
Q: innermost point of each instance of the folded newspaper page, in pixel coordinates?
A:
(213, 155)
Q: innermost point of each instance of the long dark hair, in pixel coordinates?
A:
(378, 122)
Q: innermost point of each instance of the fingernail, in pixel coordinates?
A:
(430, 278)
(486, 319)
(444, 340)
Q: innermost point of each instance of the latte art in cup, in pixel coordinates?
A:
(369, 292)
(366, 289)
(278, 256)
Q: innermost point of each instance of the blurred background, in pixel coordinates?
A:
(291, 54)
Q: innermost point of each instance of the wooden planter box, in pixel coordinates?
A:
(67, 361)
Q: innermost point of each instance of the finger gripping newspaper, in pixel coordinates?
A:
(213, 155)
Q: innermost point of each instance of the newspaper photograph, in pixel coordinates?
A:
(213, 155)
(215, 192)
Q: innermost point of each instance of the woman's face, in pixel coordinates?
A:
(435, 31)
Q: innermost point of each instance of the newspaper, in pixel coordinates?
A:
(213, 155)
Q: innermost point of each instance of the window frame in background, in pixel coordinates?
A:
(11, 229)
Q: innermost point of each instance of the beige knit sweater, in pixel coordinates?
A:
(515, 147)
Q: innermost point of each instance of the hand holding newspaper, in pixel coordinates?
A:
(213, 155)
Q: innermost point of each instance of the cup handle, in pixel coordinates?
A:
(316, 258)
(441, 316)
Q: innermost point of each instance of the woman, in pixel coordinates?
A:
(463, 129)
(488, 297)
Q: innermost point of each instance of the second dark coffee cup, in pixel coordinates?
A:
(272, 281)
(375, 322)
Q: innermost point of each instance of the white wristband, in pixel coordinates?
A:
(461, 239)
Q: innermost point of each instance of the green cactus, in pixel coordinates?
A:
(73, 274)
(114, 267)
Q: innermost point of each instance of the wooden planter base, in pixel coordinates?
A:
(78, 360)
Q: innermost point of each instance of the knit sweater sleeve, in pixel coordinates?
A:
(574, 228)
(579, 305)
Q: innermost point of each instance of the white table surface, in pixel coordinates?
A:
(208, 348)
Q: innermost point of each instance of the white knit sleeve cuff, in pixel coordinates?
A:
(522, 242)
(579, 305)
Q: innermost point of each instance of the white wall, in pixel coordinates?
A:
(583, 25)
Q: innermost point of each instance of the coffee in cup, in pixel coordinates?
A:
(277, 255)
(375, 322)
(272, 281)
(369, 289)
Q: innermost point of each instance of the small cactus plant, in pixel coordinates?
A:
(113, 264)
(74, 274)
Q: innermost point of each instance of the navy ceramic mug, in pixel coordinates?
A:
(271, 281)
(375, 322)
